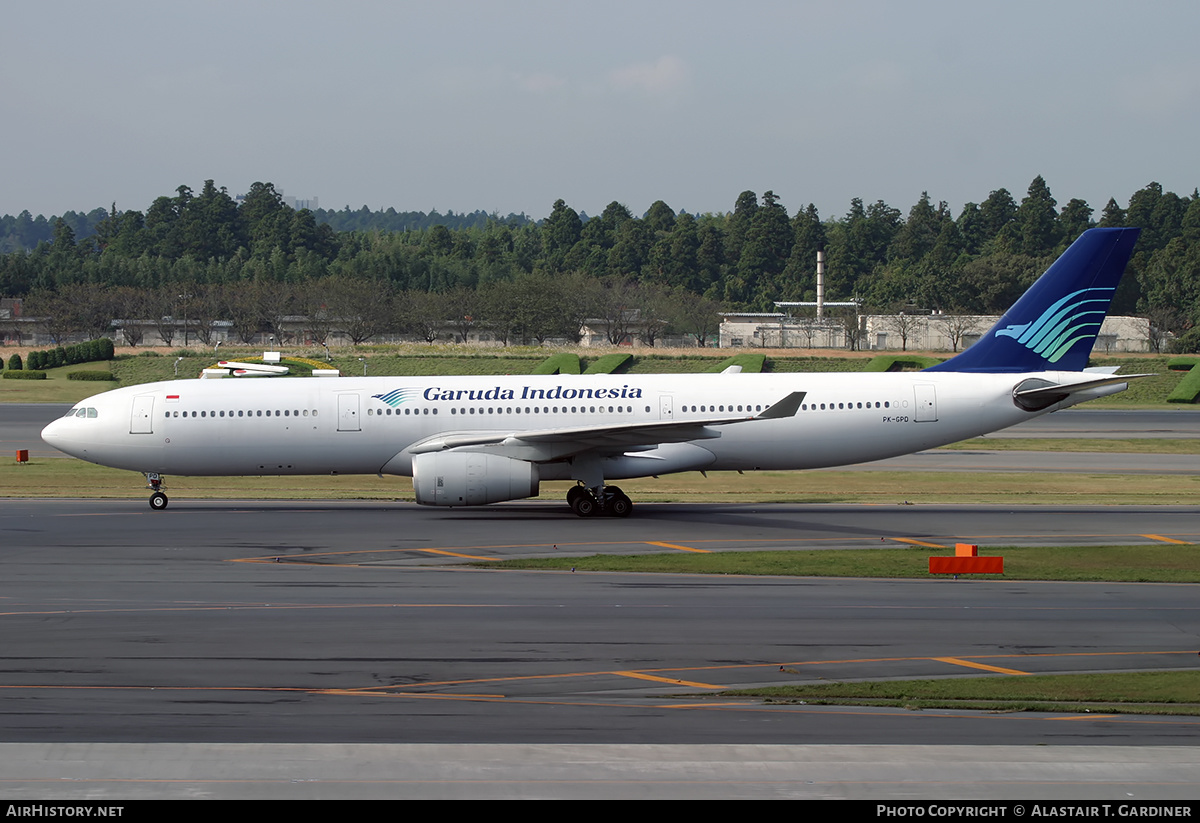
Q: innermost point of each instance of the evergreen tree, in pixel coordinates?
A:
(765, 252)
(1113, 216)
(1076, 218)
(739, 225)
(799, 275)
(682, 264)
(1037, 221)
(971, 228)
(660, 217)
(996, 215)
(560, 233)
(916, 237)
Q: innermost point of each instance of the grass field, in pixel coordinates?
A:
(67, 477)
(56, 388)
(1129, 564)
(1172, 692)
(1148, 445)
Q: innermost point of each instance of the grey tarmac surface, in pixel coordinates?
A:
(21, 427)
(1087, 422)
(984, 460)
(153, 655)
(340, 649)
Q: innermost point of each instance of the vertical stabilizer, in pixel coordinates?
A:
(1054, 324)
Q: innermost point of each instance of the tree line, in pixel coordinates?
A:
(977, 261)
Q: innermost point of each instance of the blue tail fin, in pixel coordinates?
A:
(1054, 324)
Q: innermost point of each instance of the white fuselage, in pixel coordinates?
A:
(342, 426)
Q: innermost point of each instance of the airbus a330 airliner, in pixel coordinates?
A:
(468, 441)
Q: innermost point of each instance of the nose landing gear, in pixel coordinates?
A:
(158, 500)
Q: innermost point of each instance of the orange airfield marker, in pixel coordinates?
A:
(966, 560)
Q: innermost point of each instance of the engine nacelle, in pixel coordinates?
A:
(471, 478)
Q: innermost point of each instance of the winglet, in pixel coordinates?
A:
(787, 407)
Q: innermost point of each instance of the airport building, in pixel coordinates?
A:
(896, 332)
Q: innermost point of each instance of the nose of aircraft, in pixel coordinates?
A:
(55, 434)
(51, 433)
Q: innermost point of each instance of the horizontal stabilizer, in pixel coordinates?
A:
(265, 368)
(1036, 394)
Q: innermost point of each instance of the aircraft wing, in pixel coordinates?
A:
(554, 444)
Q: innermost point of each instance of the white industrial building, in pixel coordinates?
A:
(897, 332)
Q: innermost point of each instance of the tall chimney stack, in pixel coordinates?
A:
(820, 284)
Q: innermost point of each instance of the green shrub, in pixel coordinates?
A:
(27, 374)
(14, 363)
(1189, 341)
(91, 375)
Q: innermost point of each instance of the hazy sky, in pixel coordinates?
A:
(506, 106)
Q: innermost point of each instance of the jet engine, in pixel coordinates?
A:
(454, 478)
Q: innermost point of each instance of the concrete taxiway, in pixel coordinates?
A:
(243, 649)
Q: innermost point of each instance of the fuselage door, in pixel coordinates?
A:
(141, 420)
(666, 407)
(926, 402)
(348, 420)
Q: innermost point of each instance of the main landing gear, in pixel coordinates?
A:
(610, 501)
(158, 500)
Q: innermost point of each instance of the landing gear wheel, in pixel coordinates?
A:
(584, 505)
(158, 501)
(573, 495)
(619, 505)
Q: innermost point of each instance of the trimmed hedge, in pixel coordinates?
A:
(1183, 363)
(562, 363)
(1188, 388)
(92, 375)
(897, 362)
(610, 363)
(26, 374)
(89, 352)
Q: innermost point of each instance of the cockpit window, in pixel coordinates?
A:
(82, 412)
(91, 412)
